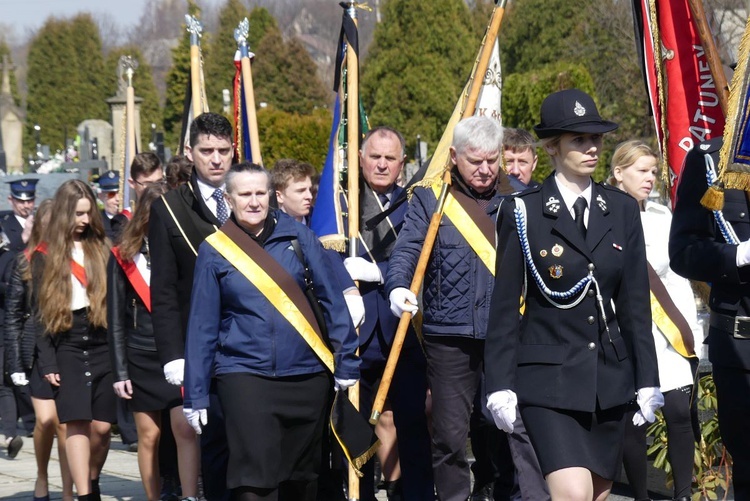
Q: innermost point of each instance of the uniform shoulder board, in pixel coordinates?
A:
(607, 186)
(528, 191)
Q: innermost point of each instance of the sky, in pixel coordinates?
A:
(25, 15)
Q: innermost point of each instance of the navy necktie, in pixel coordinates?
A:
(579, 208)
(221, 208)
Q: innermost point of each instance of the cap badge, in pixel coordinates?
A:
(553, 205)
(111, 174)
(579, 110)
(24, 183)
(556, 271)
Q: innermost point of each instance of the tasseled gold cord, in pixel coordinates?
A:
(713, 198)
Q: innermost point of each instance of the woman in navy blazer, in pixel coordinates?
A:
(573, 250)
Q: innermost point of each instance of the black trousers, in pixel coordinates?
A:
(407, 398)
(733, 399)
(455, 365)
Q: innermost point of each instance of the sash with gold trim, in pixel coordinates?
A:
(76, 269)
(472, 223)
(134, 277)
(668, 317)
(354, 434)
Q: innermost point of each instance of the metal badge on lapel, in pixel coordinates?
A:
(601, 202)
(553, 205)
(543, 253)
(556, 271)
(557, 250)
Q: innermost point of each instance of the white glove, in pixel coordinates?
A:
(19, 379)
(343, 384)
(363, 270)
(649, 400)
(502, 406)
(356, 306)
(196, 418)
(402, 299)
(174, 371)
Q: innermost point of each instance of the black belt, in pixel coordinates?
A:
(738, 326)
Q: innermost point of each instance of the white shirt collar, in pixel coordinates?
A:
(207, 190)
(569, 197)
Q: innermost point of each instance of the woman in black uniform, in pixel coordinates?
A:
(20, 352)
(574, 251)
(69, 295)
(138, 375)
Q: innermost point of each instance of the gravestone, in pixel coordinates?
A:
(11, 125)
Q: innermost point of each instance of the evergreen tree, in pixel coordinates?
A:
(417, 65)
(143, 84)
(65, 79)
(261, 22)
(598, 34)
(292, 135)
(220, 66)
(285, 76)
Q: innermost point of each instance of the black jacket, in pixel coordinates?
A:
(20, 325)
(173, 261)
(128, 320)
(698, 251)
(563, 358)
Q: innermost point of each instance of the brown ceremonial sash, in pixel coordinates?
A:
(76, 269)
(135, 278)
(276, 285)
(668, 318)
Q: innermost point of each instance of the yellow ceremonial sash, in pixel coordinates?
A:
(271, 290)
(668, 327)
(668, 318)
(468, 229)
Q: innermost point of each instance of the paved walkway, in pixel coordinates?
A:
(120, 479)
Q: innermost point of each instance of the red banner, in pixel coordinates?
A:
(689, 112)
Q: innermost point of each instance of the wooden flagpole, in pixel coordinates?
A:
(477, 78)
(352, 170)
(712, 54)
(241, 36)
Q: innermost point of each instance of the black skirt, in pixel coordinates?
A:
(151, 392)
(565, 439)
(85, 392)
(274, 427)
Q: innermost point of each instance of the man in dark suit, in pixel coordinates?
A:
(699, 251)
(16, 225)
(179, 223)
(382, 159)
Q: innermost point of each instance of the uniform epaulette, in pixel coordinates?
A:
(528, 191)
(610, 188)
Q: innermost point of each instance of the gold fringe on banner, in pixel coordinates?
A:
(736, 175)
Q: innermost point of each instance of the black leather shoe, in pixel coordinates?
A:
(483, 493)
(683, 498)
(14, 446)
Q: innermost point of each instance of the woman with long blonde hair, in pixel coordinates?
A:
(69, 298)
(138, 375)
(22, 364)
